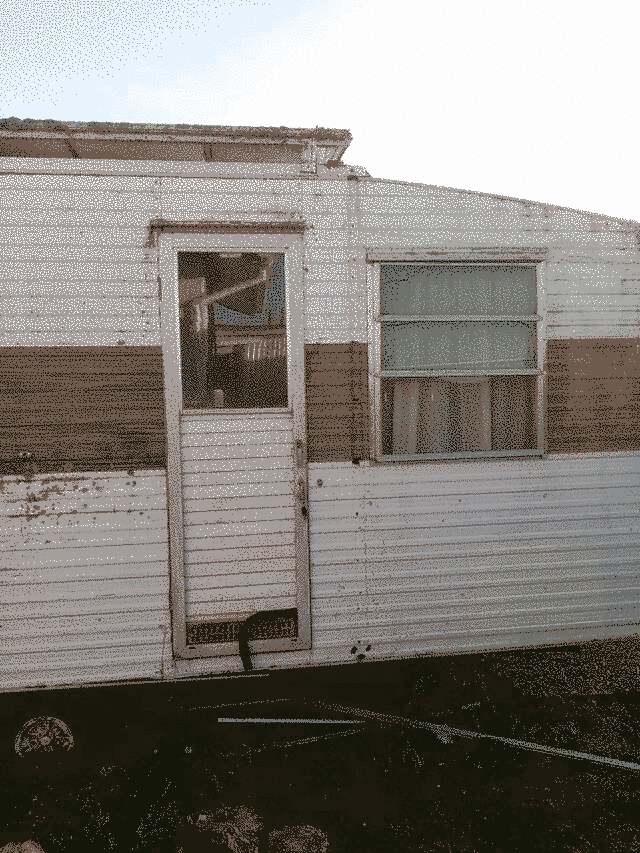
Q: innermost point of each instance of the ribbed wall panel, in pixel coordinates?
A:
(239, 525)
(83, 573)
(75, 268)
(74, 247)
(461, 556)
(592, 268)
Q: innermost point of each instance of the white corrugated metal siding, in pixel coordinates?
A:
(74, 248)
(592, 273)
(239, 513)
(461, 556)
(74, 268)
(84, 579)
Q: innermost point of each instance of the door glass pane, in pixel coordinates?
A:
(456, 289)
(233, 341)
(446, 345)
(458, 414)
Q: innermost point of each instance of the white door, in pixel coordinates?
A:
(233, 342)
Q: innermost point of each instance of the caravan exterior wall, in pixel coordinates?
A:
(406, 558)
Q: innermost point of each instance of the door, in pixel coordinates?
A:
(233, 342)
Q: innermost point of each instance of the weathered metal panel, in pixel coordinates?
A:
(83, 572)
(88, 232)
(81, 408)
(465, 556)
(74, 266)
(592, 265)
(593, 394)
(337, 391)
(216, 540)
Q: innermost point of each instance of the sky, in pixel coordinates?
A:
(536, 100)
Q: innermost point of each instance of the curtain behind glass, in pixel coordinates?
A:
(458, 414)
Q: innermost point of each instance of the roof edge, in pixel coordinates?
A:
(12, 124)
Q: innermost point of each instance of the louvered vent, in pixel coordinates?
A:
(274, 627)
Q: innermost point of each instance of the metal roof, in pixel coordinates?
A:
(49, 137)
(198, 130)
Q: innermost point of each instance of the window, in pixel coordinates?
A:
(458, 349)
(233, 342)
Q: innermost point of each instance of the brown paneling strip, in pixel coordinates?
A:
(337, 391)
(81, 409)
(593, 395)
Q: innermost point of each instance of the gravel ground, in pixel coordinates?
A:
(166, 776)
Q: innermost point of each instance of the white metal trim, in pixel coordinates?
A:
(152, 168)
(507, 371)
(476, 454)
(170, 336)
(467, 255)
(202, 413)
(541, 385)
(457, 318)
(291, 246)
(375, 420)
(231, 242)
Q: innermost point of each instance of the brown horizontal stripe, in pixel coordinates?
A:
(81, 408)
(337, 394)
(593, 395)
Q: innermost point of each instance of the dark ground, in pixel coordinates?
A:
(150, 758)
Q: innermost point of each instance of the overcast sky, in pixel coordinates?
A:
(537, 100)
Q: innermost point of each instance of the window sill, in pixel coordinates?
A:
(222, 411)
(465, 456)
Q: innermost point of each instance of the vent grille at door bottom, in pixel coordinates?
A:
(282, 625)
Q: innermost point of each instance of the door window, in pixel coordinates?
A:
(233, 336)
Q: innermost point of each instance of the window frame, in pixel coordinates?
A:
(375, 260)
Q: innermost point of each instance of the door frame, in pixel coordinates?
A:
(291, 246)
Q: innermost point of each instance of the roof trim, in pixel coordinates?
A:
(309, 147)
(280, 133)
(174, 132)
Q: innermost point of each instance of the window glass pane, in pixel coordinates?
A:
(458, 346)
(458, 414)
(456, 289)
(232, 330)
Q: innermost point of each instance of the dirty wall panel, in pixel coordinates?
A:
(75, 267)
(591, 272)
(83, 570)
(392, 211)
(593, 395)
(81, 408)
(337, 392)
(412, 559)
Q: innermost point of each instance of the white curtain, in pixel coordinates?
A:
(458, 414)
